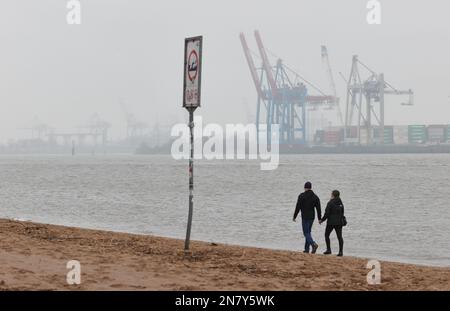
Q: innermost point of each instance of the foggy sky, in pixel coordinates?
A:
(133, 50)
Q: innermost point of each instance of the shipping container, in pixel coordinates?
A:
(363, 136)
(401, 135)
(388, 135)
(436, 133)
(318, 137)
(351, 132)
(351, 141)
(448, 134)
(332, 137)
(351, 135)
(417, 134)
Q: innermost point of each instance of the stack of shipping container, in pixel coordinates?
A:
(393, 135)
(401, 136)
(417, 134)
(333, 136)
(437, 134)
(448, 134)
(388, 135)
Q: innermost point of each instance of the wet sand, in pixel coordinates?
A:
(34, 257)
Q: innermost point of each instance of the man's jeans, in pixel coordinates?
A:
(307, 227)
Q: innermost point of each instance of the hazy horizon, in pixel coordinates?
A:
(133, 52)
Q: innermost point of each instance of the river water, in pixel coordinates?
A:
(397, 206)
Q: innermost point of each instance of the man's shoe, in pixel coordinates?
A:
(340, 255)
(327, 253)
(305, 252)
(314, 248)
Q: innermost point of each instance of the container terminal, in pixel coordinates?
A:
(287, 98)
(283, 97)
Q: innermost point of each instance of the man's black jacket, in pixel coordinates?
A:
(307, 203)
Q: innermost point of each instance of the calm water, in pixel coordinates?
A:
(397, 205)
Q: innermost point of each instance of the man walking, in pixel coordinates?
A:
(307, 203)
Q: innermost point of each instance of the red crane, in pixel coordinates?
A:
(284, 101)
(252, 67)
(266, 64)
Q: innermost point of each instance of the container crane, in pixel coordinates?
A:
(367, 97)
(285, 101)
(98, 128)
(39, 130)
(135, 127)
(251, 65)
(335, 103)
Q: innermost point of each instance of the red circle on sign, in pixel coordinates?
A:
(192, 65)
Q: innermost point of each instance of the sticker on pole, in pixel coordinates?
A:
(192, 72)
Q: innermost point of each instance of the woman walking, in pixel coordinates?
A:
(334, 215)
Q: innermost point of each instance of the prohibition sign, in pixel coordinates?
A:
(193, 65)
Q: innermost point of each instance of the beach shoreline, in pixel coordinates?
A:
(34, 257)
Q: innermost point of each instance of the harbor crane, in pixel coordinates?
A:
(367, 99)
(39, 130)
(98, 128)
(135, 127)
(336, 103)
(95, 128)
(282, 95)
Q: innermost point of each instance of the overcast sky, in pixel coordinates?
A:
(133, 50)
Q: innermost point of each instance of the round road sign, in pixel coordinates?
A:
(193, 65)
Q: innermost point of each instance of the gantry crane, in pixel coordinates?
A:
(367, 98)
(283, 94)
(335, 104)
(135, 127)
(98, 128)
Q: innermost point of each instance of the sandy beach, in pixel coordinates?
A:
(34, 257)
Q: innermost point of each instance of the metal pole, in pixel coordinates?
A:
(191, 180)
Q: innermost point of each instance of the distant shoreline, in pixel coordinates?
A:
(284, 150)
(34, 257)
(340, 149)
